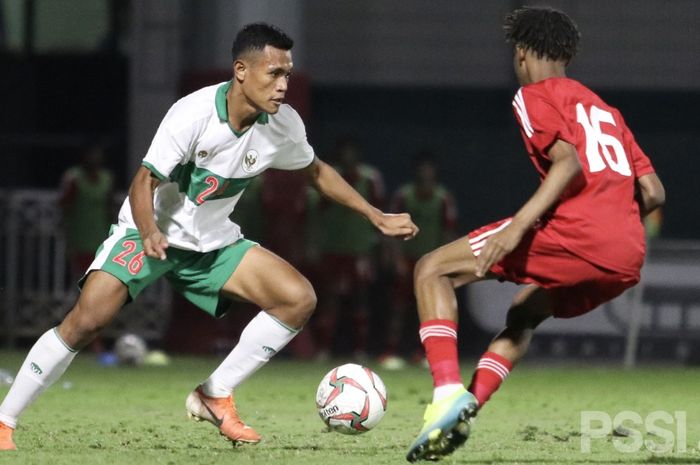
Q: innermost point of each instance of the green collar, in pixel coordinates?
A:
(222, 110)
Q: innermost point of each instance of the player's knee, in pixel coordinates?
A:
(304, 300)
(426, 268)
(309, 301)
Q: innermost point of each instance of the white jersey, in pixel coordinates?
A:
(204, 166)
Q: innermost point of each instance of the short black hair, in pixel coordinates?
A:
(547, 32)
(256, 36)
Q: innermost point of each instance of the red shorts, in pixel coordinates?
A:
(575, 285)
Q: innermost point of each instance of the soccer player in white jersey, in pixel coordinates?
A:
(209, 146)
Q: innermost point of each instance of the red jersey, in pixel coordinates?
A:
(597, 217)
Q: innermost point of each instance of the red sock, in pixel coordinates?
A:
(490, 373)
(439, 337)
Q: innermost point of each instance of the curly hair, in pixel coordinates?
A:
(547, 32)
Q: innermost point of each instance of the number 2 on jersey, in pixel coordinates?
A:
(213, 184)
(597, 141)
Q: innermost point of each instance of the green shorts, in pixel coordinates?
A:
(198, 276)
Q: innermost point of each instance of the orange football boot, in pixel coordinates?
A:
(221, 412)
(6, 442)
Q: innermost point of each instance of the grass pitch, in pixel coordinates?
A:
(98, 415)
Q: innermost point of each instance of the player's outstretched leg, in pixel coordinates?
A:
(102, 297)
(530, 307)
(213, 401)
(447, 423)
(447, 420)
(45, 363)
(288, 299)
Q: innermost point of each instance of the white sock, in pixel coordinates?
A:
(45, 363)
(445, 390)
(262, 338)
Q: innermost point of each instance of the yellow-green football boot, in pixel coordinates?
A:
(446, 427)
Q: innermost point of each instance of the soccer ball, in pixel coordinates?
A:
(351, 399)
(130, 349)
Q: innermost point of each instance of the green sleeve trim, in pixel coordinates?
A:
(58, 336)
(153, 170)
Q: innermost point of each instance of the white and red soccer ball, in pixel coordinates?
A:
(351, 399)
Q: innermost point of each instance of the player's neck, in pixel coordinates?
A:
(241, 113)
(546, 69)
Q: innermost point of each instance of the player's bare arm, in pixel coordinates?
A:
(331, 184)
(141, 200)
(651, 193)
(565, 167)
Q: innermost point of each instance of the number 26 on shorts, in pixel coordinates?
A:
(597, 141)
(135, 263)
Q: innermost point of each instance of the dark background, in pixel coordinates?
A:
(53, 104)
(400, 75)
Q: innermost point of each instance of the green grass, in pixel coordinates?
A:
(97, 415)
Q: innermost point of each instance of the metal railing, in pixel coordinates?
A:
(36, 286)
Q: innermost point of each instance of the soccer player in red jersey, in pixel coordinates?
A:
(576, 243)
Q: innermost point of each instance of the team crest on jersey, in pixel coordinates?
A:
(250, 161)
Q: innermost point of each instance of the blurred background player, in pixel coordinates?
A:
(85, 199)
(175, 223)
(433, 209)
(577, 242)
(348, 249)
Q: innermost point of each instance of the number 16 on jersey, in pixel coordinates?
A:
(598, 142)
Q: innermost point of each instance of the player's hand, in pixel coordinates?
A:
(395, 225)
(154, 244)
(497, 246)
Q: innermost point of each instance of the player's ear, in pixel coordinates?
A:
(520, 53)
(239, 70)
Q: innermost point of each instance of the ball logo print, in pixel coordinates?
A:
(351, 399)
